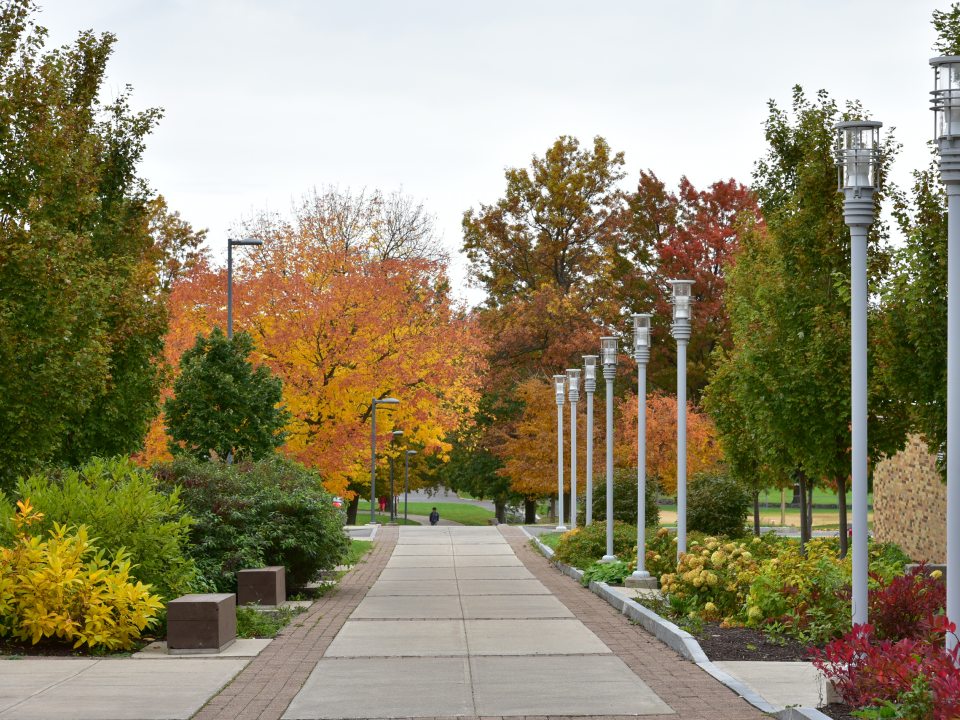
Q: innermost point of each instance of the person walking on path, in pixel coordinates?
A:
(434, 517)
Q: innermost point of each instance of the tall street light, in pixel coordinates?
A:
(573, 393)
(608, 356)
(374, 404)
(231, 243)
(946, 106)
(393, 492)
(857, 143)
(590, 385)
(680, 329)
(406, 481)
(641, 353)
(559, 386)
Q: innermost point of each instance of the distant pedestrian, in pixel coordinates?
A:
(434, 517)
(383, 502)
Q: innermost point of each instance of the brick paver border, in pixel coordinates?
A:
(690, 691)
(265, 687)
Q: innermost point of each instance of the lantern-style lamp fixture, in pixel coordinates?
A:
(641, 333)
(573, 384)
(681, 300)
(945, 98)
(560, 387)
(590, 372)
(857, 153)
(608, 351)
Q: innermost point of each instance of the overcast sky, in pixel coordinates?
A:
(265, 99)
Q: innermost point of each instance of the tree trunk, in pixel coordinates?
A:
(530, 511)
(810, 508)
(804, 526)
(500, 510)
(796, 501)
(553, 511)
(842, 507)
(352, 510)
(756, 513)
(783, 507)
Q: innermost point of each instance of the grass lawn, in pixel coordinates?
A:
(822, 519)
(550, 539)
(820, 497)
(363, 517)
(463, 513)
(358, 548)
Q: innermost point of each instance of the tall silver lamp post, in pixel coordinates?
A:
(857, 143)
(560, 389)
(573, 394)
(946, 106)
(608, 356)
(680, 329)
(641, 353)
(374, 404)
(231, 243)
(589, 385)
(406, 480)
(393, 492)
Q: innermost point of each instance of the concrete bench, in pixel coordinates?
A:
(201, 623)
(262, 586)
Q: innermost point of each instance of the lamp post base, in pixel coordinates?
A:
(608, 559)
(561, 528)
(642, 581)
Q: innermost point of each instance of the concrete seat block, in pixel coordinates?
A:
(262, 586)
(202, 622)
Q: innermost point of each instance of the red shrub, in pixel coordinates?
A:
(904, 607)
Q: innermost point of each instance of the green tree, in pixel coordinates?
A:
(222, 404)
(81, 312)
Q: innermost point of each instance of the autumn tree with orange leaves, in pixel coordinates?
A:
(340, 321)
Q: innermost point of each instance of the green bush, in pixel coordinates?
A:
(582, 547)
(270, 512)
(123, 507)
(624, 499)
(612, 573)
(717, 504)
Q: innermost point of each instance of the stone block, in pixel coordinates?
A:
(262, 586)
(201, 623)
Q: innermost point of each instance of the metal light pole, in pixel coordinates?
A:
(590, 385)
(857, 143)
(406, 480)
(680, 329)
(559, 385)
(641, 353)
(393, 492)
(573, 394)
(946, 106)
(373, 452)
(230, 245)
(608, 356)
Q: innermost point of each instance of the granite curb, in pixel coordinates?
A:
(682, 642)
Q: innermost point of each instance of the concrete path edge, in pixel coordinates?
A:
(682, 642)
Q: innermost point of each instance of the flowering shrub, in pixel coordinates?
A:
(712, 578)
(581, 547)
(63, 587)
(869, 672)
(661, 555)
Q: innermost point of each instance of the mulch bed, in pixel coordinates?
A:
(52, 648)
(740, 643)
(838, 711)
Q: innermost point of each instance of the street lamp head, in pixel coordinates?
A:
(945, 100)
(411, 452)
(608, 351)
(573, 384)
(396, 433)
(245, 241)
(590, 373)
(559, 387)
(858, 143)
(681, 301)
(641, 332)
(386, 401)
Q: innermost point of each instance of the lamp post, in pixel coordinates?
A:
(374, 404)
(406, 480)
(590, 385)
(680, 329)
(393, 493)
(946, 107)
(608, 356)
(231, 243)
(573, 394)
(857, 143)
(641, 353)
(559, 386)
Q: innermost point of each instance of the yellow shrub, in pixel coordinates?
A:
(63, 587)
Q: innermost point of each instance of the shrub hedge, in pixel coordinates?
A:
(624, 499)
